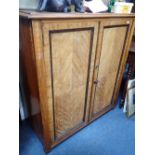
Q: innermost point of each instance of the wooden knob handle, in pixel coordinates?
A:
(96, 82)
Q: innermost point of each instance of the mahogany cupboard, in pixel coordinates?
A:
(71, 66)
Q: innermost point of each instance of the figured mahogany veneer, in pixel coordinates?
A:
(71, 68)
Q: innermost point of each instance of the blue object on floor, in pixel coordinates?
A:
(111, 134)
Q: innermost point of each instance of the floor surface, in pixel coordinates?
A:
(111, 134)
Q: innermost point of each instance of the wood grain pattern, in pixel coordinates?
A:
(70, 71)
(112, 48)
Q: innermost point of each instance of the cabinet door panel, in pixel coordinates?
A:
(71, 49)
(113, 41)
(70, 69)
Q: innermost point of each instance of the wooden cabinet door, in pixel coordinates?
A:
(112, 42)
(69, 53)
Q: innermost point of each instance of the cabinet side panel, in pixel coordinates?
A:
(28, 76)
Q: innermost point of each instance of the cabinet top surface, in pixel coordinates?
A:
(48, 15)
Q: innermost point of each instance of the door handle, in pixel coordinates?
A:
(96, 82)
